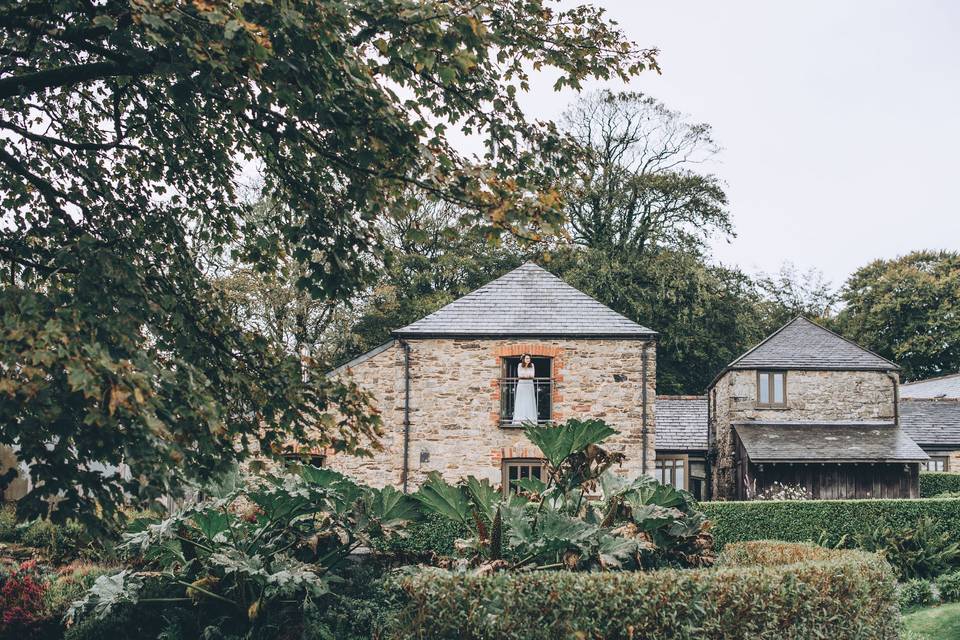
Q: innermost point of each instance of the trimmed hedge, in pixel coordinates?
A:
(822, 520)
(933, 483)
(821, 593)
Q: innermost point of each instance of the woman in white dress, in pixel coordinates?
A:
(525, 400)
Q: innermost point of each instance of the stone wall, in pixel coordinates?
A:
(954, 463)
(455, 401)
(828, 396)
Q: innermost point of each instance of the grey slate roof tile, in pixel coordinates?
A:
(528, 301)
(802, 344)
(931, 422)
(823, 442)
(681, 423)
(941, 387)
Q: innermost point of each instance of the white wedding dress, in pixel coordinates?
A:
(525, 400)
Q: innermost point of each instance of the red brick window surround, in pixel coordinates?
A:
(549, 363)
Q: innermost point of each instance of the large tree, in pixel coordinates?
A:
(639, 182)
(791, 292)
(126, 128)
(706, 314)
(908, 310)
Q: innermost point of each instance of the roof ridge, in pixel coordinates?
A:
(528, 300)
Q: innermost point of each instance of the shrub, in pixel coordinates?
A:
(8, 524)
(933, 483)
(948, 586)
(838, 594)
(916, 593)
(21, 600)
(243, 565)
(435, 534)
(550, 521)
(60, 543)
(921, 551)
(69, 585)
(830, 521)
(780, 491)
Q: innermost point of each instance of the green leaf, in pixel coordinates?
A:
(485, 496)
(439, 497)
(211, 522)
(393, 508)
(557, 443)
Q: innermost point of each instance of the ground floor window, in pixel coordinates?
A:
(516, 469)
(672, 470)
(938, 463)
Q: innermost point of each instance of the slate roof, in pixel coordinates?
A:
(802, 344)
(681, 423)
(931, 423)
(528, 301)
(827, 442)
(942, 387)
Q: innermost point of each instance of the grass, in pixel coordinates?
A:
(934, 623)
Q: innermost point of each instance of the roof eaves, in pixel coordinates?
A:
(360, 359)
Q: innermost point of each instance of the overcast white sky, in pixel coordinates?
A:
(840, 121)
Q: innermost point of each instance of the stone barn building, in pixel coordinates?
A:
(807, 406)
(446, 385)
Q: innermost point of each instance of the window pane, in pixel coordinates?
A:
(777, 388)
(678, 477)
(513, 472)
(537, 471)
(524, 472)
(764, 390)
(658, 474)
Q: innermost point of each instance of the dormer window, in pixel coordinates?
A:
(772, 388)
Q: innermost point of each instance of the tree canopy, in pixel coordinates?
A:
(908, 310)
(638, 182)
(126, 130)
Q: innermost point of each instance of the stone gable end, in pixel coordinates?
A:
(455, 391)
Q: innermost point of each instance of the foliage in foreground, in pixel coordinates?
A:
(249, 563)
(552, 522)
(827, 521)
(916, 592)
(921, 551)
(789, 591)
(935, 483)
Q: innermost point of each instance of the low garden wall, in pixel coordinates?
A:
(758, 590)
(934, 483)
(822, 520)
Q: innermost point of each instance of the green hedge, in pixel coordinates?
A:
(822, 594)
(434, 534)
(933, 483)
(821, 520)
